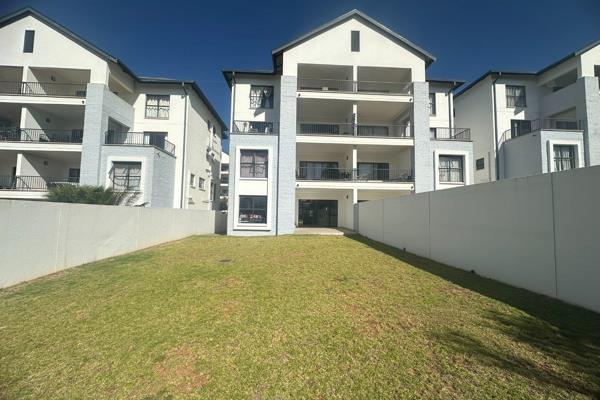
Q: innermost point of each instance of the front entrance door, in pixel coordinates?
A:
(318, 213)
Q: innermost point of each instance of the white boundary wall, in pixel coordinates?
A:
(40, 238)
(541, 233)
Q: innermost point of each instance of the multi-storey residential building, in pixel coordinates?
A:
(224, 192)
(526, 123)
(345, 115)
(71, 113)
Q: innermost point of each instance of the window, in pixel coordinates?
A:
(431, 103)
(192, 180)
(519, 127)
(261, 96)
(201, 183)
(355, 40)
(480, 164)
(210, 126)
(156, 139)
(253, 210)
(126, 176)
(322, 170)
(254, 163)
(213, 191)
(564, 157)
(451, 169)
(157, 106)
(371, 171)
(74, 174)
(28, 42)
(433, 133)
(515, 96)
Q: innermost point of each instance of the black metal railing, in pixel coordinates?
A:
(551, 124)
(350, 129)
(451, 133)
(347, 86)
(41, 135)
(43, 89)
(255, 127)
(140, 139)
(354, 175)
(40, 183)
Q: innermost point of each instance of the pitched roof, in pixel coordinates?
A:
(28, 11)
(526, 73)
(429, 58)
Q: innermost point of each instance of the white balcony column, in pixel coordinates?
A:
(19, 165)
(355, 119)
(354, 157)
(355, 209)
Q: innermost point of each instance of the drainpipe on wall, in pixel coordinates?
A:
(495, 116)
(183, 159)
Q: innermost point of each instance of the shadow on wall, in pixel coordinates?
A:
(567, 334)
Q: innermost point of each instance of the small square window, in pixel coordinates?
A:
(261, 96)
(451, 169)
(480, 164)
(157, 106)
(515, 96)
(28, 42)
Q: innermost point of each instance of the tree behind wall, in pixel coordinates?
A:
(90, 195)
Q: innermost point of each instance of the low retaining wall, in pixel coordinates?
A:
(40, 238)
(540, 233)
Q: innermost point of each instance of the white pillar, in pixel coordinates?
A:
(354, 157)
(355, 209)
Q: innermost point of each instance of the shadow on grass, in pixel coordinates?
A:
(567, 334)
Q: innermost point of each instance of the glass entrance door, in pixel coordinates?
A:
(318, 213)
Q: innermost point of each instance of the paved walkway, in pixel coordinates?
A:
(324, 231)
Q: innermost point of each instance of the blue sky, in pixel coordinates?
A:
(197, 39)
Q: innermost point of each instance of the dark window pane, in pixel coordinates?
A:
(253, 210)
(28, 43)
(355, 40)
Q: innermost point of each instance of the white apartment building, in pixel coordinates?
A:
(224, 181)
(71, 113)
(345, 115)
(527, 123)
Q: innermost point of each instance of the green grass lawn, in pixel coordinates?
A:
(289, 317)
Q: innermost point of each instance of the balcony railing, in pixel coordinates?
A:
(43, 89)
(41, 135)
(139, 139)
(346, 86)
(451, 134)
(354, 175)
(551, 124)
(349, 129)
(255, 127)
(33, 183)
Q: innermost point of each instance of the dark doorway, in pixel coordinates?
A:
(318, 213)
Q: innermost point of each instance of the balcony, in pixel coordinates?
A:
(33, 183)
(547, 124)
(255, 127)
(354, 175)
(461, 134)
(349, 129)
(41, 135)
(139, 139)
(45, 89)
(347, 86)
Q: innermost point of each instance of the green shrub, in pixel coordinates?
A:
(87, 195)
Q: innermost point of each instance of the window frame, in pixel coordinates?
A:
(158, 106)
(253, 208)
(261, 103)
(128, 176)
(201, 183)
(29, 41)
(558, 161)
(451, 169)
(432, 104)
(480, 164)
(355, 41)
(515, 99)
(253, 164)
(192, 180)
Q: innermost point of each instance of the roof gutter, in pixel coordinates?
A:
(183, 158)
(495, 116)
